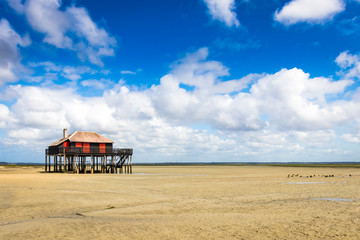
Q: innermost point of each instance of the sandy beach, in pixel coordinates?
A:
(182, 202)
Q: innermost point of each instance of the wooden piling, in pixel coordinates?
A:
(77, 164)
(130, 164)
(56, 163)
(84, 162)
(45, 163)
(92, 164)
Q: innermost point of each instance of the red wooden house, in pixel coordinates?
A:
(82, 142)
(87, 151)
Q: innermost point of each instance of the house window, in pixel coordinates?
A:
(66, 146)
(78, 145)
(86, 147)
(102, 148)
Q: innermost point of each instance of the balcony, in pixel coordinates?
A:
(88, 151)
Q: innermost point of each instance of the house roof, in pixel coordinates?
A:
(88, 137)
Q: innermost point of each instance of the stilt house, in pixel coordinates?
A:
(87, 151)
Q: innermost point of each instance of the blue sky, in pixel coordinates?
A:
(191, 81)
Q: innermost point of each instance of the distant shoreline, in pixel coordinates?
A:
(274, 164)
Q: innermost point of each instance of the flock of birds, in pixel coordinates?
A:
(311, 176)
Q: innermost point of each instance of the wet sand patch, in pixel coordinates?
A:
(335, 199)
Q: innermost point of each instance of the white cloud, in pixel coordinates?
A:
(16, 5)
(48, 66)
(86, 28)
(345, 60)
(71, 28)
(4, 115)
(310, 11)
(44, 16)
(69, 72)
(128, 72)
(74, 73)
(193, 70)
(223, 10)
(99, 40)
(209, 102)
(9, 52)
(292, 100)
(7, 75)
(98, 84)
(350, 64)
(351, 138)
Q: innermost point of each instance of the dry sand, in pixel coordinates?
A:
(181, 202)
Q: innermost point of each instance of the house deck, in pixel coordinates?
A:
(114, 160)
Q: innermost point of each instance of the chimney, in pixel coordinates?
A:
(65, 133)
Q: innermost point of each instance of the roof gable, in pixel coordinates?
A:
(88, 137)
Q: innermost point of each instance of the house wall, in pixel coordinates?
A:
(73, 147)
(53, 150)
(90, 147)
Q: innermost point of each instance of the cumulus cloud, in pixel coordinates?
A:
(293, 100)
(206, 76)
(345, 60)
(210, 101)
(290, 98)
(71, 28)
(350, 65)
(310, 11)
(121, 114)
(10, 41)
(223, 10)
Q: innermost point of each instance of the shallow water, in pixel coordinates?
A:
(335, 199)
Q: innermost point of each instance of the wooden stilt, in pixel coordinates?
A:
(112, 164)
(49, 162)
(130, 164)
(84, 160)
(60, 163)
(56, 164)
(92, 164)
(45, 163)
(105, 164)
(77, 164)
(102, 164)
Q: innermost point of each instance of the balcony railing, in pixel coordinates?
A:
(90, 150)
